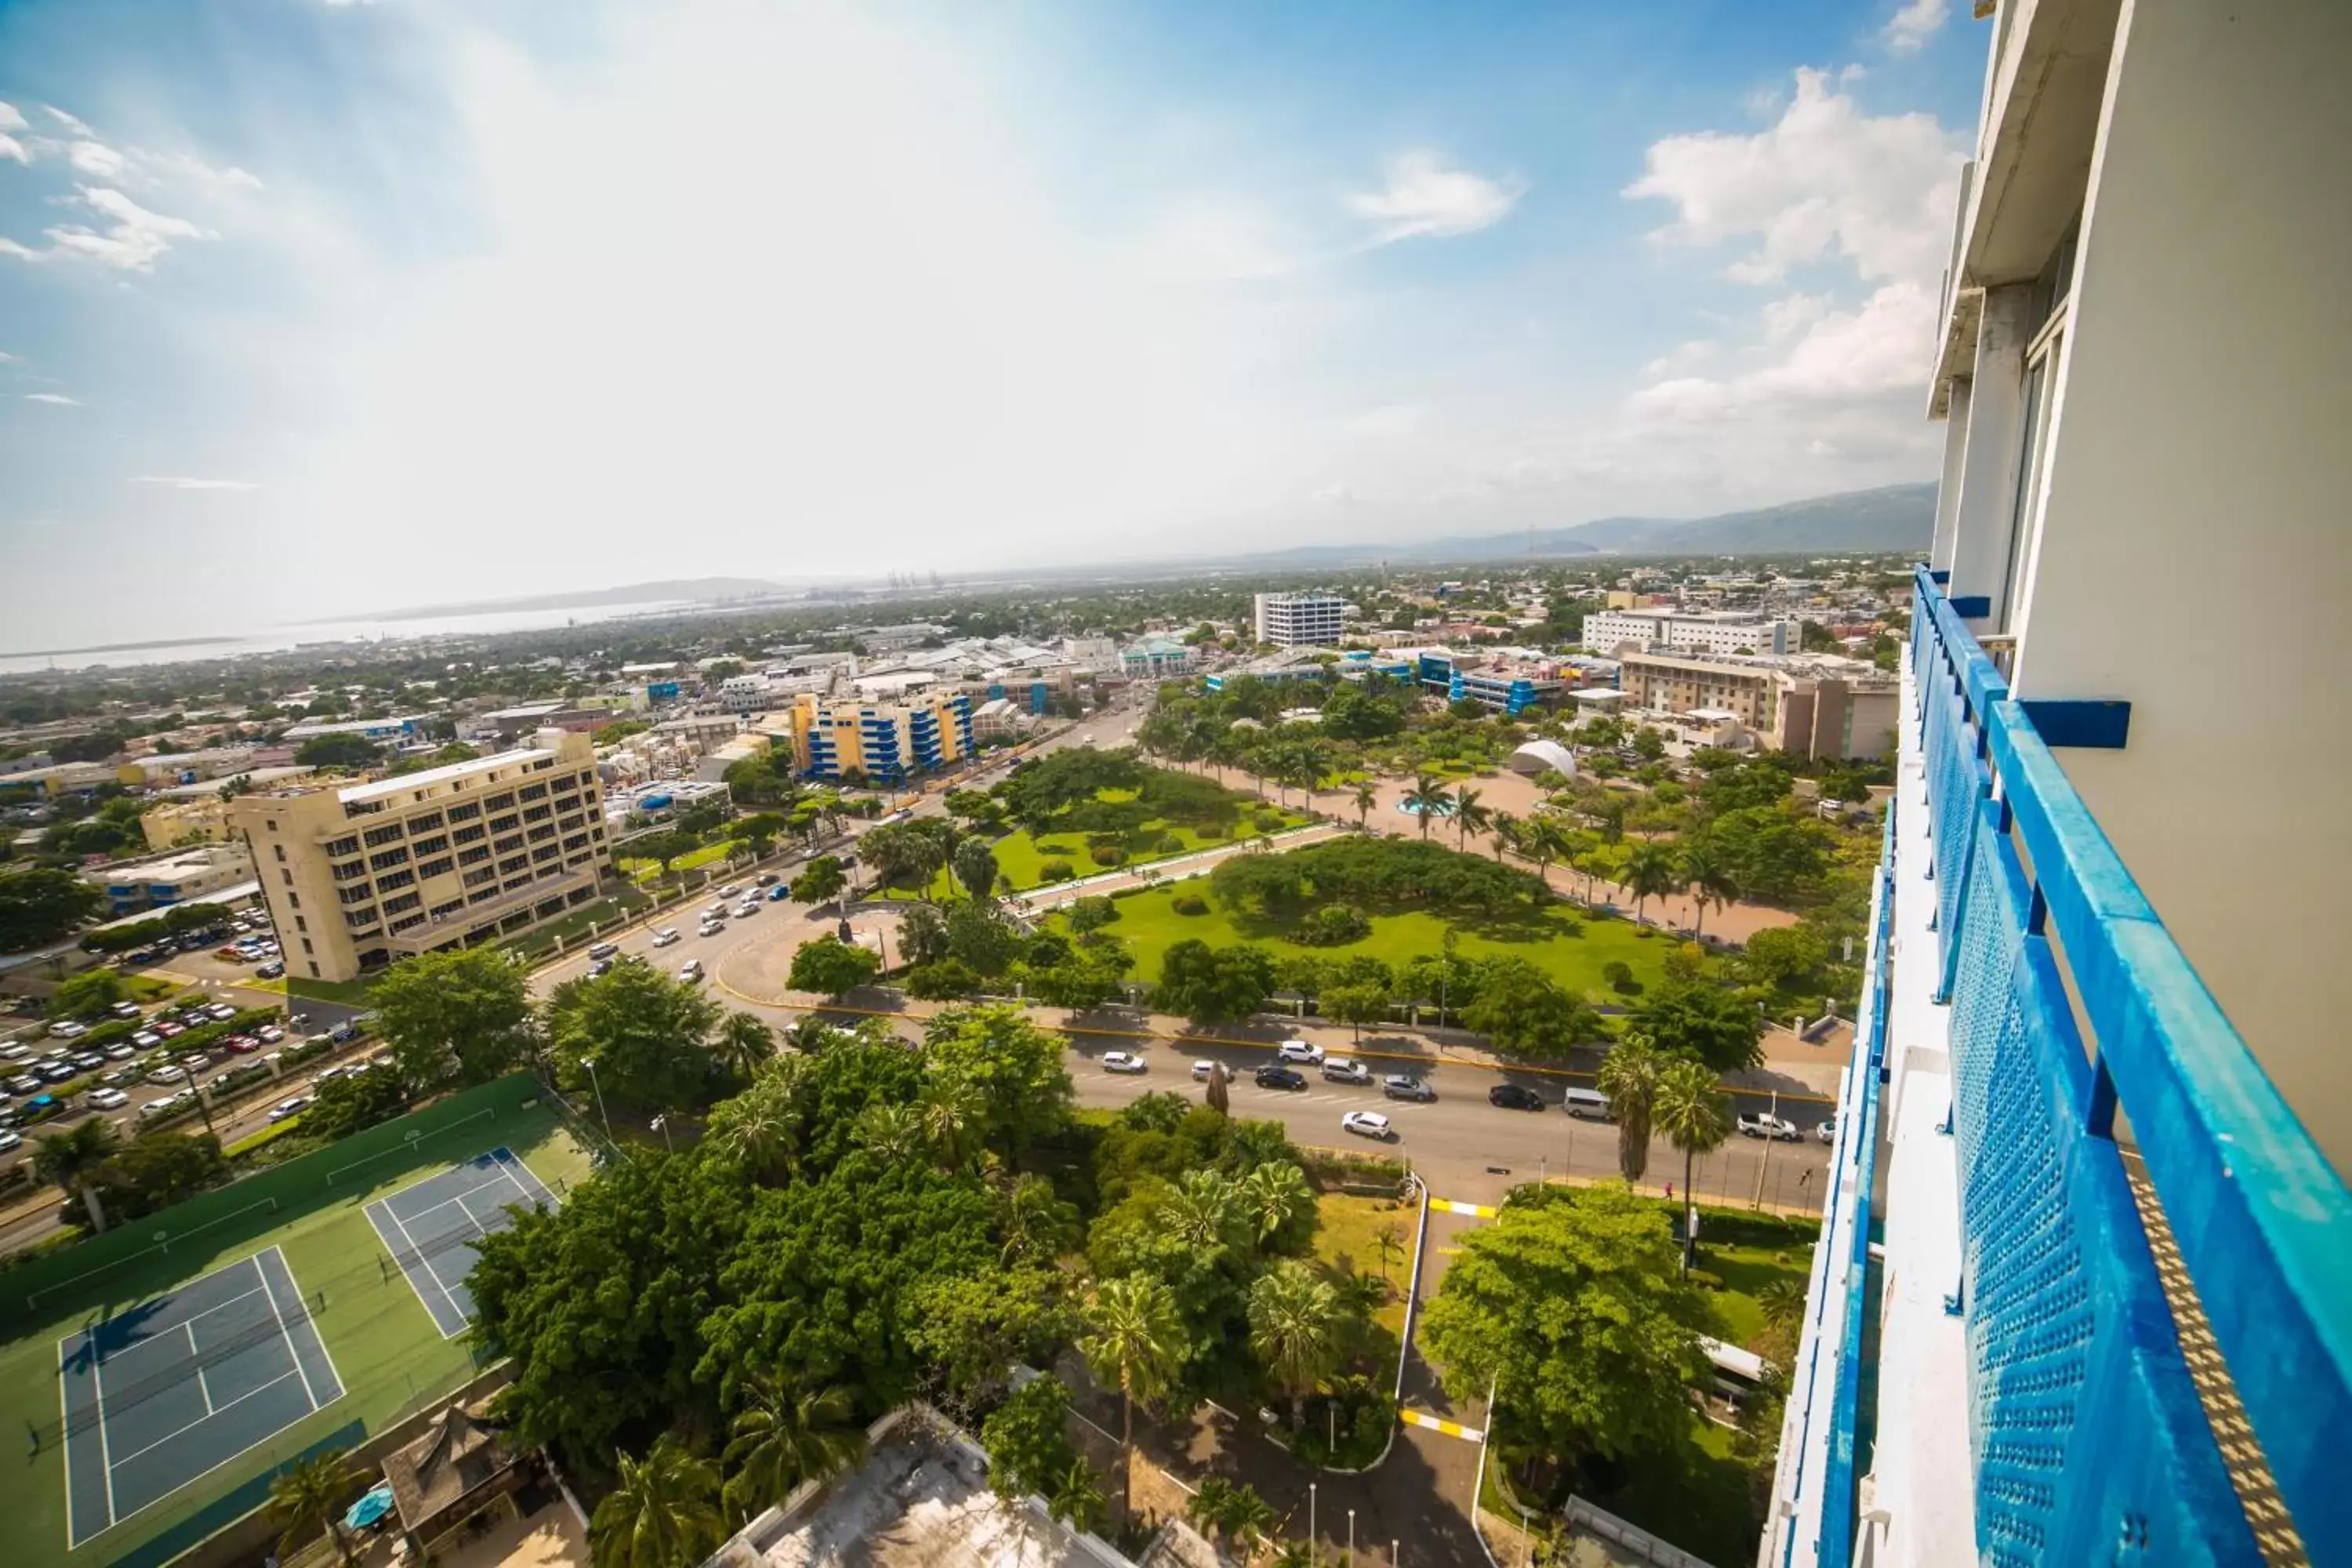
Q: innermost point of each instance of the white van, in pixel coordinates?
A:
(1586, 1104)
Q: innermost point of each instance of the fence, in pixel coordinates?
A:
(40, 1286)
(2084, 1411)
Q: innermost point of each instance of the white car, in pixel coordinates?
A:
(166, 1075)
(1204, 1070)
(19, 1052)
(146, 1039)
(284, 1109)
(1827, 1130)
(120, 1051)
(1339, 1070)
(729, 891)
(68, 1030)
(709, 928)
(165, 1106)
(1122, 1061)
(716, 911)
(1301, 1051)
(1763, 1124)
(1367, 1125)
(8, 1139)
(748, 907)
(220, 1012)
(665, 936)
(270, 1034)
(106, 1099)
(690, 971)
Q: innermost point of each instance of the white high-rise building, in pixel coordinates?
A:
(1605, 631)
(1310, 619)
(2083, 1292)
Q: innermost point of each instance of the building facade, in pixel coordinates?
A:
(1609, 630)
(884, 742)
(1663, 683)
(359, 876)
(187, 873)
(1310, 619)
(178, 823)
(2082, 1293)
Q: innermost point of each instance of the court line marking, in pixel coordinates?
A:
(316, 1337)
(65, 1439)
(537, 1191)
(105, 1445)
(292, 1353)
(424, 1263)
(196, 1359)
(248, 1394)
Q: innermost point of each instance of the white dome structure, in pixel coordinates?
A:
(1537, 756)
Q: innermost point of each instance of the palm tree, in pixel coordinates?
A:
(1706, 872)
(742, 1044)
(1365, 799)
(1426, 799)
(759, 1129)
(1470, 816)
(951, 1112)
(1510, 833)
(1209, 1506)
(1695, 1114)
(1629, 1077)
(1201, 1212)
(892, 1131)
(1295, 1554)
(1247, 1517)
(663, 1514)
(1783, 1303)
(1543, 840)
(1388, 1240)
(1037, 1223)
(73, 1159)
(1134, 1338)
(308, 1498)
(779, 1442)
(1650, 873)
(1077, 1500)
(1294, 1321)
(1274, 1194)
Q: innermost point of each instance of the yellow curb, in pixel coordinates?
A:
(1439, 1423)
(1456, 1206)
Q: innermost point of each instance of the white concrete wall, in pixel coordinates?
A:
(2201, 473)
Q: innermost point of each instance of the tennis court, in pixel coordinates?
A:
(158, 1395)
(430, 1228)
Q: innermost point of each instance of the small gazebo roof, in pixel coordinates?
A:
(453, 1456)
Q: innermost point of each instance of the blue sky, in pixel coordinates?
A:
(309, 309)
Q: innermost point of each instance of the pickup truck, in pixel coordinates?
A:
(1763, 1124)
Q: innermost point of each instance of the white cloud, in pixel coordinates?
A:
(11, 148)
(1910, 29)
(1424, 198)
(59, 398)
(96, 158)
(1682, 357)
(1839, 355)
(68, 121)
(188, 166)
(133, 241)
(11, 117)
(1826, 182)
(181, 482)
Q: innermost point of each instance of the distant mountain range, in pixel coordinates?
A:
(1892, 517)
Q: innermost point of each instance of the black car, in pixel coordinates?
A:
(1275, 1076)
(1515, 1097)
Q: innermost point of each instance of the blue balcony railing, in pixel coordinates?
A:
(2089, 1437)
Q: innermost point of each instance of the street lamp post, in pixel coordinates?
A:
(1310, 1514)
(590, 1064)
(1351, 1538)
(662, 1122)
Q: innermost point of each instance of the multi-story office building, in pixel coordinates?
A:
(360, 874)
(1841, 717)
(883, 742)
(1606, 631)
(1310, 619)
(1155, 658)
(2084, 1289)
(1811, 705)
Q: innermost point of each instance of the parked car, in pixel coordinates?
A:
(1764, 1124)
(1827, 1130)
(1274, 1076)
(1587, 1104)
(345, 1032)
(88, 1061)
(55, 1072)
(125, 1010)
(241, 1045)
(167, 1073)
(147, 1039)
(294, 1106)
(270, 1034)
(16, 1053)
(664, 935)
(1515, 1097)
(9, 1140)
(1404, 1086)
(220, 1012)
(1204, 1069)
(729, 891)
(690, 971)
(269, 971)
(120, 1051)
(779, 892)
(106, 1099)
(67, 1029)
(165, 1106)
(1122, 1061)
(604, 950)
(1367, 1125)
(1339, 1070)
(25, 1083)
(1300, 1051)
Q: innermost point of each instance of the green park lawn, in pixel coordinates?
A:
(1561, 942)
(1346, 1241)
(1020, 856)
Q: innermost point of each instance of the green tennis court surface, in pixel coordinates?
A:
(179, 1385)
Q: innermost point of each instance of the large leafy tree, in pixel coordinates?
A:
(975, 868)
(42, 905)
(1571, 1306)
(600, 1303)
(663, 1514)
(820, 880)
(643, 1033)
(782, 1437)
(1526, 1014)
(1135, 1341)
(460, 1017)
(76, 1160)
(1012, 1069)
(1705, 1023)
(973, 1327)
(1213, 985)
(1028, 1441)
(832, 967)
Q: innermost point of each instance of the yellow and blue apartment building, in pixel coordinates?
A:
(883, 742)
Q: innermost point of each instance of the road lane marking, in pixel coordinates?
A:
(1439, 1423)
(1456, 1206)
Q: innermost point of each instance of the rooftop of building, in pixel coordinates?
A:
(381, 789)
(208, 788)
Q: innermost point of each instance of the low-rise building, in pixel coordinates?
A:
(178, 823)
(1718, 633)
(358, 875)
(883, 742)
(174, 878)
(183, 767)
(1814, 705)
(1155, 658)
(396, 727)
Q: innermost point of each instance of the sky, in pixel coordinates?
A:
(310, 310)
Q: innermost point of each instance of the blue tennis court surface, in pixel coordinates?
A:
(430, 1228)
(157, 1395)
